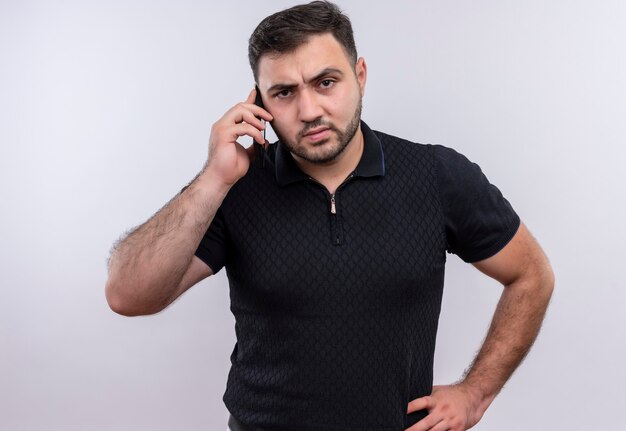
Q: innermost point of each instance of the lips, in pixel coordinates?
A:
(319, 135)
(316, 131)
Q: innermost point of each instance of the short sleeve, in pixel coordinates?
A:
(479, 221)
(212, 247)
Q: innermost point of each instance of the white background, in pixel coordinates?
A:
(105, 112)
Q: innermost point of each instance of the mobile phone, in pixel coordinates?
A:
(258, 101)
(260, 149)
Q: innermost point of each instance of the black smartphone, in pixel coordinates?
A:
(260, 149)
(258, 101)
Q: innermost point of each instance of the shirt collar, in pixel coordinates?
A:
(371, 164)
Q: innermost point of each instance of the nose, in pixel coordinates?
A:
(309, 108)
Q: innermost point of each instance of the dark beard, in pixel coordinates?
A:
(343, 138)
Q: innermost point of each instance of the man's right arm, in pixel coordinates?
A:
(155, 263)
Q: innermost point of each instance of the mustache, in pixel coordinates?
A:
(313, 124)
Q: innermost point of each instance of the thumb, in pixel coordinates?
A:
(420, 404)
(252, 148)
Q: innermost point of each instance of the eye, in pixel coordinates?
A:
(283, 93)
(327, 83)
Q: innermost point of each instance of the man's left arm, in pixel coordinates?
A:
(524, 270)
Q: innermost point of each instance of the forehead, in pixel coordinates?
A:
(318, 53)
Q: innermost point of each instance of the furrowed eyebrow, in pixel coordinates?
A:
(284, 86)
(281, 87)
(327, 71)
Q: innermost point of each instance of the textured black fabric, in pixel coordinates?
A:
(479, 221)
(336, 314)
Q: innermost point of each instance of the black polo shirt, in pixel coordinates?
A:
(336, 309)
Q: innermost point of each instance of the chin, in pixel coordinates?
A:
(325, 154)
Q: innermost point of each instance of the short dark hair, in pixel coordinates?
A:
(286, 30)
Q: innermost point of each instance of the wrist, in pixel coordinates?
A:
(212, 183)
(481, 397)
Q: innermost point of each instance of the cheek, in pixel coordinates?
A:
(282, 123)
(343, 107)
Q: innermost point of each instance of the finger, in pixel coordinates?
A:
(260, 112)
(236, 113)
(250, 101)
(426, 424)
(251, 152)
(245, 129)
(422, 403)
(250, 118)
(441, 426)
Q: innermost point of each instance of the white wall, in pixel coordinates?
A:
(105, 111)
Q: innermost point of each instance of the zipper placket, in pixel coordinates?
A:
(333, 202)
(333, 208)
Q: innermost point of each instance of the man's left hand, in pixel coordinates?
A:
(450, 408)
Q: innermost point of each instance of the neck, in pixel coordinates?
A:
(332, 173)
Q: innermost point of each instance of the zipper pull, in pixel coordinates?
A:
(333, 210)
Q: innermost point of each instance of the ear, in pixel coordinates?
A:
(360, 70)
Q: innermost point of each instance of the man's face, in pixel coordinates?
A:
(315, 98)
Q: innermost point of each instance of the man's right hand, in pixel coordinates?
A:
(228, 160)
(154, 264)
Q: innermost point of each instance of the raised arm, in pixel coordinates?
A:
(528, 281)
(155, 263)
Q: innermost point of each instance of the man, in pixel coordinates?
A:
(334, 245)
